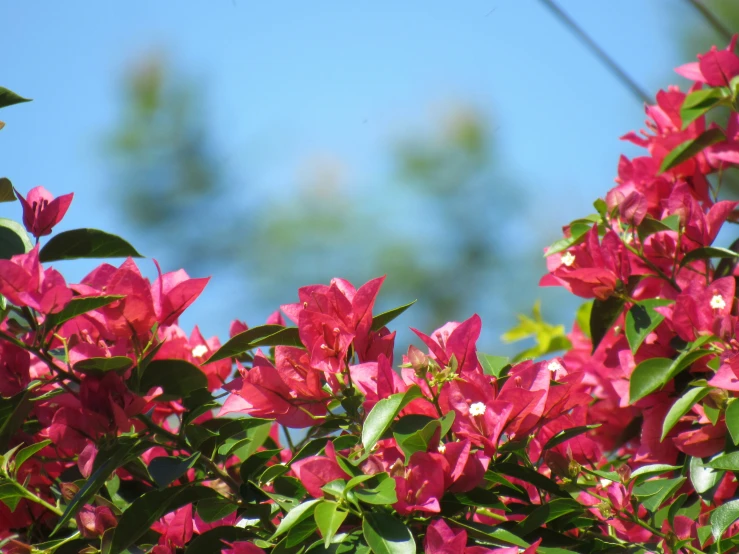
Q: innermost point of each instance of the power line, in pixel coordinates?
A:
(711, 18)
(618, 72)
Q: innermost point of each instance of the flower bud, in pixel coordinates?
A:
(418, 360)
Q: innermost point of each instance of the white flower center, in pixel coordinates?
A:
(554, 366)
(477, 409)
(441, 449)
(199, 350)
(718, 302)
(568, 259)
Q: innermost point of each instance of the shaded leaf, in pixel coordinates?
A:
(86, 243)
(381, 320)
(641, 320)
(164, 470)
(78, 306)
(6, 190)
(13, 239)
(681, 407)
(567, 434)
(177, 378)
(114, 363)
(602, 317)
(386, 535)
(250, 339)
(706, 253)
(26, 453)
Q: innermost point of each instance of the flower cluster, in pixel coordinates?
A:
(119, 432)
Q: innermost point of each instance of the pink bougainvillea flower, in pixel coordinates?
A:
(25, 283)
(173, 292)
(41, 211)
(93, 521)
(420, 485)
(455, 339)
(715, 68)
(315, 471)
(15, 365)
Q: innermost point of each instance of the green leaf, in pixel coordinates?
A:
(383, 414)
(706, 253)
(13, 239)
(114, 363)
(121, 454)
(78, 306)
(649, 226)
(383, 494)
(329, 518)
(531, 476)
(6, 190)
(381, 320)
(602, 316)
(642, 319)
(654, 373)
(729, 462)
(647, 377)
(166, 469)
(414, 434)
(86, 243)
(493, 365)
(681, 407)
(386, 535)
(697, 103)
(151, 506)
(650, 470)
(13, 412)
(9, 98)
(547, 512)
(703, 478)
(250, 339)
(653, 494)
(10, 494)
(177, 378)
(24, 454)
(723, 517)
(295, 516)
(567, 434)
(732, 420)
(583, 317)
(690, 148)
(212, 541)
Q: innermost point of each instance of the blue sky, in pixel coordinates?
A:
(286, 82)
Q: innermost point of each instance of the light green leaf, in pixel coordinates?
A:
(732, 420)
(682, 407)
(386, 535)
(296, 515)
(329, 518)
(723, 517)
(647, 377)
(383, 414)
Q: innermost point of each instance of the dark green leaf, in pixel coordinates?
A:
(329, 518)
(386, 535)
(602, 316)
(531, 476)
(649, 226)
(13, 239)
(249, 339)
(9, 98)
(690, 148)
(26, 453)
(13, 412)
(641, 320)
(383, 414)
(165, 469)
(123, 451)
(177, 378)
(681, 407)
(648, 376)
(382, 494)
(698, 103)
(493, 365)
(567, 434)
(380, 320)
(547, 512)
(6, 190)
(488, 533)
(706, 253)
(723, 517)
(10, 494)
(300, 532)
(78, 306)
(86, 243)
(732, 420)
(703, 478)
(114, 363)
(151, 506)
(215, 509)
(212, 541)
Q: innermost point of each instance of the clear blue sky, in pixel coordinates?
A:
(305, 78)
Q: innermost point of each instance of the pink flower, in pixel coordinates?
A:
(92, 521)
(41, 211)
(25, 283)
(15, 364)
(716, 68)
